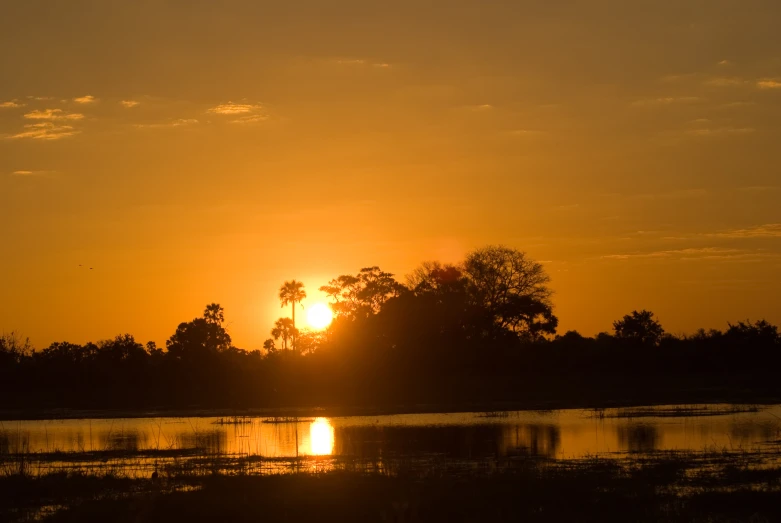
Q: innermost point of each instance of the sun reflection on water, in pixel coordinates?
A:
(321, 437)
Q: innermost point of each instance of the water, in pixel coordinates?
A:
(558, 434)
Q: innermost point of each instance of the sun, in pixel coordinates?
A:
(319, 316)
(321, 437)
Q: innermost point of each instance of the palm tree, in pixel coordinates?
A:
(290, 293)
(283, 328)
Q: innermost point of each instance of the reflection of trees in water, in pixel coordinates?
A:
(470, 441)
(212, 441)
(638, 437)
(753, 431)
(14, 442)
(129, 440)
(533, 440)
(282, 438)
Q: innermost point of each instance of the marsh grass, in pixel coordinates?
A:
(709, 486)
(678, 411)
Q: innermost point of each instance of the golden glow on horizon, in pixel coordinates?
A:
(353, 139)
(319, 316)
(321, 437)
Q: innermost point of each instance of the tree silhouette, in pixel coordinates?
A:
(433, 277)
(639, 327)
(513, 288)
(285, 329)
(290, 293)
(214, 313)
(362, 295)
(200, 337)
(269, 346)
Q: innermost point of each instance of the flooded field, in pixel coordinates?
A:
(134, 446)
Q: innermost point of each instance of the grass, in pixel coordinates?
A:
(704, 396)
(678, 411)
(658, 487)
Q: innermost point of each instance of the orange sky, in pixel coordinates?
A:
(200, 151)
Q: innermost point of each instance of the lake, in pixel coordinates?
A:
(463, 437)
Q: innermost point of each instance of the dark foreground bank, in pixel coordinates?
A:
(664, 487)
(586, 399)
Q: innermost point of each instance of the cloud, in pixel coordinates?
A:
(725, 63)
(362, 62)
(725, 81)
(181, 122)
(52, 114)
(12, 104)
(680, 194)
(88, 99)
(668, 100)
(759, 188)
(697, 254)
(703, 252)
(250, 119)
(731, 105)
(768, 230)
(524, 132)
(480, 107)
(249, 113)
(31, 173)
(677, 78)
(129, 104)
(769, 83)
(46, 131)
(231, 108)
(721, 131)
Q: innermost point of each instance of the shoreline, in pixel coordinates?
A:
(7, 415)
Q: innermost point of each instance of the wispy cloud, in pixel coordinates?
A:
(769, 83)
(480, 107)
(181, 122)
(702, 252)
(680, 194)
(46, 131)
(667, 100)
(11, 104)
(28, 174)
(231, 108)
(720, 131)
(568, 207)
(734, 105)
(250, 119)
(725, 81)
(524, 132)
(52, 114)
(677, 78)
(725, 63)
(129, 104)
(88, 99)
(759, 188)
(361, 62)
(768, 230)
(248, 113)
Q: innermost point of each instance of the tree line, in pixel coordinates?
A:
(481, 330)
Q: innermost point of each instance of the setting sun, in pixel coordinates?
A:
(319, 316)
(321, 437)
